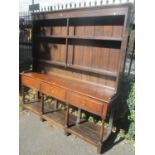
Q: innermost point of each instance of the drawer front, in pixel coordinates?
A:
(53, 91)
(30, 82)
(85, 103)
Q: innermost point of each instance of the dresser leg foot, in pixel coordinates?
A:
(42, 119)
(66, 132)
(99, 148)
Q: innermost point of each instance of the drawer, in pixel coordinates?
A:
(85, 103)
(30, 82)
(53, 91)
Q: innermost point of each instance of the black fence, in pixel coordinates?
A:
(25, 40)
(129, 66)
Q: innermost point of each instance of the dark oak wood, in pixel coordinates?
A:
(78, 58)
(82, 37)
(51, 62)
(56, 104)
(62, 83)
(78, 116)
(42, 102)
(85, 103)
(36, 108)
(90, 70)
(59, 119)
(23, 95)
(87, 131)
(54, 91)
(30, 82)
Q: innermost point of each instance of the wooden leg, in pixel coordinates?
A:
(66, 120)
(99, 147)
(38, 95)
(23, 95)
(102, 131)
(42, 103)
(78, 116)
(56, 104)
(104, 137)
(42, 119)
(42, 107)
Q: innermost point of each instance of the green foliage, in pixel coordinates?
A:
(125, 110)
(131, 132)
(131, 104)
(25, 66)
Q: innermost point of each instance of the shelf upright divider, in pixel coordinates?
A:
(73, 46)
(67, 42)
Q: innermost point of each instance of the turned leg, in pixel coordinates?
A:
(78, 116)
(66, 120)
(99, 147)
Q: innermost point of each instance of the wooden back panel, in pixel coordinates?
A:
(85, 44)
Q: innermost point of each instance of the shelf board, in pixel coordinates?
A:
(51, 36)
(87, 131)
(83, 37)
(51, 62)
(93, 70)
(83, 68)
(34, 107)
(58, 118)
(96, 38)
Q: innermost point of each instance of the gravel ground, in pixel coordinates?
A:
(38, 138)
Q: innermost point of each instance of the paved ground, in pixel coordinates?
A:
(38, 138)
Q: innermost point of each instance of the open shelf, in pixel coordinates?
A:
(51, 39)
(34, 107)
(51, 62)
(87, 131)
(93, 70)
(51, 22)
(58, 118)
(53, 116)
(80, 37)
(51, 36)
(78, 67)
(86, 46)
(96, 38)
